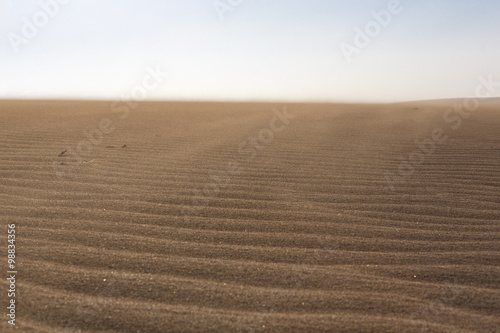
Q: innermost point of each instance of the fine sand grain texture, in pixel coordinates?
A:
(176, 221)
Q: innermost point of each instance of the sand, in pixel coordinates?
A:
(225, 217)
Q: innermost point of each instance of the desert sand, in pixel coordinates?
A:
(213, 217)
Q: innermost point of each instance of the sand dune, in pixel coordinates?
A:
(227, 217)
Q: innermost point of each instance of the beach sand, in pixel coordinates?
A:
(251, 217)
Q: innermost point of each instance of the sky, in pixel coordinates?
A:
(249, 50)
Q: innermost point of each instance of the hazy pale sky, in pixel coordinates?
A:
(248, 49)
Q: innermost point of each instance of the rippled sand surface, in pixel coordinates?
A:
(212, 217)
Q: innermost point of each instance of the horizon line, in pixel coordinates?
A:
(237, 101)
